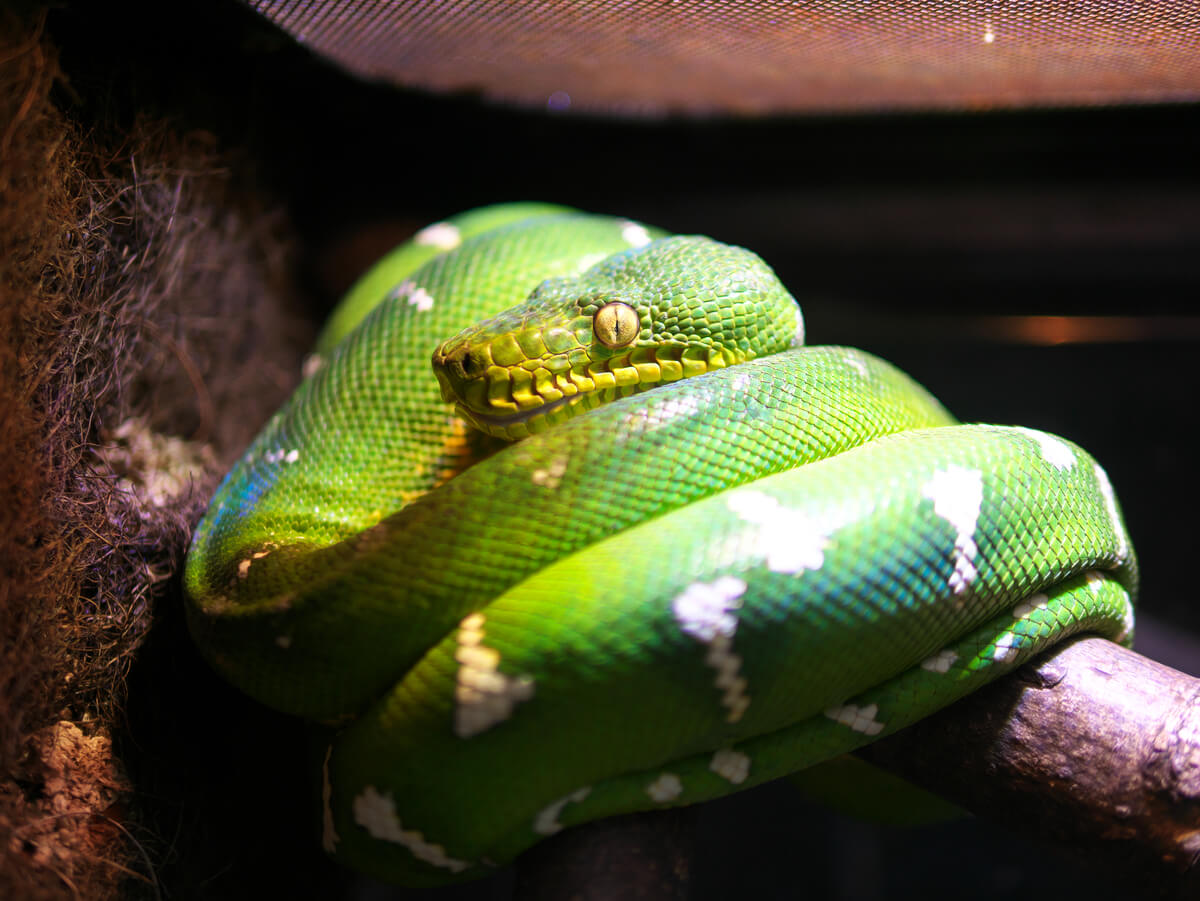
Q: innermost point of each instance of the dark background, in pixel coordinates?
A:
(915, 236)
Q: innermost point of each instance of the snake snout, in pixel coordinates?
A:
(447, 389)
(448, 368)
(456, 364)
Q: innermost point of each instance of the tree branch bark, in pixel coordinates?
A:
(638, 857)
(1092, 749)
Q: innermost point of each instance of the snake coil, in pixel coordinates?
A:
(775, 555)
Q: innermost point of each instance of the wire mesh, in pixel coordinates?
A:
(750, 57)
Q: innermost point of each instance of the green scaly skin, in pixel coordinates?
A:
(389, 273)
(687, 591)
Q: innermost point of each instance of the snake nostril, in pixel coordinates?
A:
(471, 365)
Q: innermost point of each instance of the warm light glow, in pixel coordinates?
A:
(1049, 330)
(1043, 331)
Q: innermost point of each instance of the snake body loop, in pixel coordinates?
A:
(772, 556)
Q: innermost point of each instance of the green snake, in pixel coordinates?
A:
(742, 557)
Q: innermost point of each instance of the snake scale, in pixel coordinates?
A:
(773, 555)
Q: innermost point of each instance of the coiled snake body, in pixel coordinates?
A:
(745, 571)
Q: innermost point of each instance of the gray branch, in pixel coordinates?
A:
(1093, 749)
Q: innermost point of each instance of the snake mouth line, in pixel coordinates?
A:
(578, 389)
(501, 420)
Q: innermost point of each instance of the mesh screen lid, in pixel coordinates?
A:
(763, 56)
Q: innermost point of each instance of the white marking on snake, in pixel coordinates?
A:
(546, 822)
(1095, 581)
(244, 565)
(483, 696)
(721, 658)
(1127, 621)
(550, 476)
(422, 300)
(1033, 602)
(329, 836)
(376, 812)
(441, 235)
(790, 541)
(705, 611)
(282, 456)
(957, 495)
(941, 661)
(860, 719)
(798, 336)
(857, 363)
(1110, 503)
(634, 234)
(741, 381)
(417, 297)
(730, 764)
(666, 787)
(312, 363)
(1007, 647)
(680, 405)
(1054, 450)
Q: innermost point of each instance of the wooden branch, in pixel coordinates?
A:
(639, 857)
(1093, 749)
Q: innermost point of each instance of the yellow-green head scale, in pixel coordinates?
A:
(675, 308)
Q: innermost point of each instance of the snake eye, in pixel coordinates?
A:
(616, 324)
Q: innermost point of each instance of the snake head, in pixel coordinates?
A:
(675, 308)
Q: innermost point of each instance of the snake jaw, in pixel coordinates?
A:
(513, 426)
(512, 402)
(516, 404)
(515, 401)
